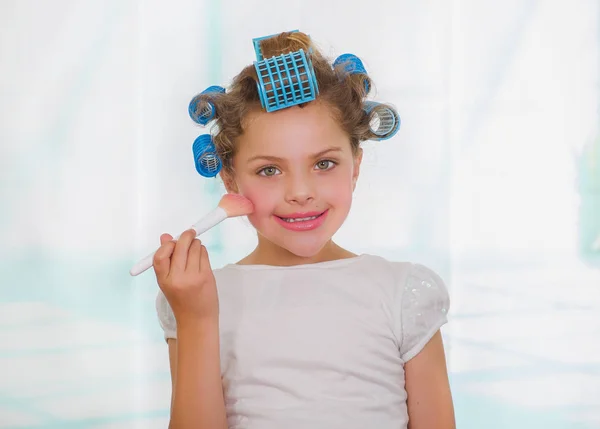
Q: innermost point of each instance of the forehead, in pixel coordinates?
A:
(291, 132)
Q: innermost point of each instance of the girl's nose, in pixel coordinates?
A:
(299, 190)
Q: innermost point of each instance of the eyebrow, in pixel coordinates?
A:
(277, 159)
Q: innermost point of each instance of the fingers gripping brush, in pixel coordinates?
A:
(231, 205)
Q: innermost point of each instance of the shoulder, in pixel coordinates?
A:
(417, 284)
(423, 302)
(423, 291)
(382, 265)
(405, 272)
(419, 301)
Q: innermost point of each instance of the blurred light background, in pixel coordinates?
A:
(493, 181)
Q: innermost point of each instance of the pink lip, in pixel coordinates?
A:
(305, 214)
(306, 225)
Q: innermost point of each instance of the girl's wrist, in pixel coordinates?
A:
(197, 324)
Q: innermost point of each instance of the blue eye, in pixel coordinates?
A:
(268, 171)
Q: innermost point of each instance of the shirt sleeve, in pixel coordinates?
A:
(424, 306)
(166, 318)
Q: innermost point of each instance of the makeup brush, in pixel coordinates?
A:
(231, 205)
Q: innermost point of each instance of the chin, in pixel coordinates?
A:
(302, 245)
(304, 251)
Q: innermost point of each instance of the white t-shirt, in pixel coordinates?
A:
(321, 346)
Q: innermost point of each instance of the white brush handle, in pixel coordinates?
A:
(212, 219)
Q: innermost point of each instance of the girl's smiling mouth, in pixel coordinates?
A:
(302, 221)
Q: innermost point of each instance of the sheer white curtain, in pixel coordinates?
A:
(498, 101)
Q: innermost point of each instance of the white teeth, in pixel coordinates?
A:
(300, 219)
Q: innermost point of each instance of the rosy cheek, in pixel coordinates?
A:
(262, 200)
(262, 212)
(337, 190)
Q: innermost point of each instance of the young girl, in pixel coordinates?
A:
(301, 333)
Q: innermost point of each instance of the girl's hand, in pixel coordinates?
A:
(184, 275)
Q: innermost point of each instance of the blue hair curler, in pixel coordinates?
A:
(352, 65)
(206, 112)
(387, 119)
(208, 163)
(256, 41)
(286, 80)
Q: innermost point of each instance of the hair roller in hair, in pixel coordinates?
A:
(385, 119)
(286, 80)
(208, 163)
(202, 112)
(352, 65)
(256, 41)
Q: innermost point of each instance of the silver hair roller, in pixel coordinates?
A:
(385, 121)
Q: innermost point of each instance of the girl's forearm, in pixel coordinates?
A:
(198, 393)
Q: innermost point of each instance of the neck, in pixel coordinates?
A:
(266, 253)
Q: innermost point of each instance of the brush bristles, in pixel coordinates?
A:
(236, 205)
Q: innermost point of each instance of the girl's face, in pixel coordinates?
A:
(296, 165)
